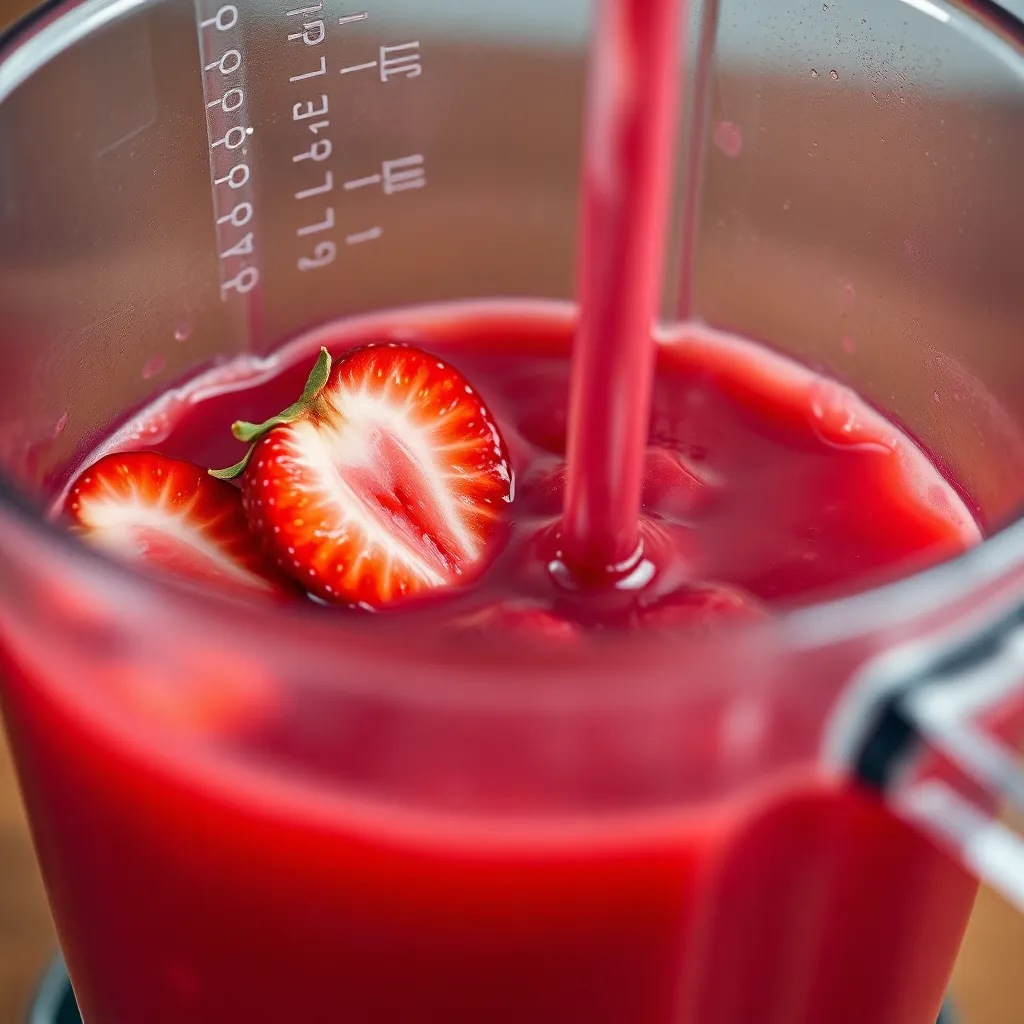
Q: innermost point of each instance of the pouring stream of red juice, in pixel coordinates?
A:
(629, 145)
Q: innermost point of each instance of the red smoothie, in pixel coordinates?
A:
(187, 890)
(325, 861)
(735, 432)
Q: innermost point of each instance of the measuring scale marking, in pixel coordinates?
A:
(319, 224)
(398, 59)
(225, 91)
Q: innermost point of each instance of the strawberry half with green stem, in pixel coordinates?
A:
(169, 515)
(387, 479)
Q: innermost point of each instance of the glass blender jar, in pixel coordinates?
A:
(800, 813)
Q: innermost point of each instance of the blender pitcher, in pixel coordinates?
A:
(797, 813)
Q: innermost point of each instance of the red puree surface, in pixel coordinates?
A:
(762, 480)
(183, 894)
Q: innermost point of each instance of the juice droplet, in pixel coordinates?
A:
(153, 367)
(728, 138)
(182, 332)
(849, 345)
(935, 397)
(58, 427)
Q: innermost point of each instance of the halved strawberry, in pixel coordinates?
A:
(169, 515)
(388, 478)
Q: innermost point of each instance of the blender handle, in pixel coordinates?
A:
(915, 725)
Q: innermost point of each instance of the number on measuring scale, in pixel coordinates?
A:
(318, 190)
(242, 248)
(312, 33)
(325, 225)
(233, 138)
(401, 175)
(239, 216)
(235, 178)
(228, 63)
(226, 18)
(243, 282)
(230, 101)
(393, 61)
(400, 59)
(318, 151)
(323, 256)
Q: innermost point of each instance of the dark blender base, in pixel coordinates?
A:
(55, 1003)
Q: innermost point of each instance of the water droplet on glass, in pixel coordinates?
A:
(153, 367)
(182, 332)
(834, 75)
(814, 73)
(58, 427)
(728, 138)
(935, 397)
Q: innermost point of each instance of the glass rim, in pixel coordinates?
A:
(886, 606)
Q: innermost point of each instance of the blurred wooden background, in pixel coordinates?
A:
(26, 935)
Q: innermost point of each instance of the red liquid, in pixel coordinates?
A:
(186, 890)
(735, 432)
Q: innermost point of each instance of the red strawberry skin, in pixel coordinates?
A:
(171, 516)
(393, 483)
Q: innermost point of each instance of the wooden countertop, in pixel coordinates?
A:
(26, 934)
(989, 982)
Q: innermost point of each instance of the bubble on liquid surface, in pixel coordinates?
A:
(728, 138)
(183, 332)
(153, 367)
(835, 417)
